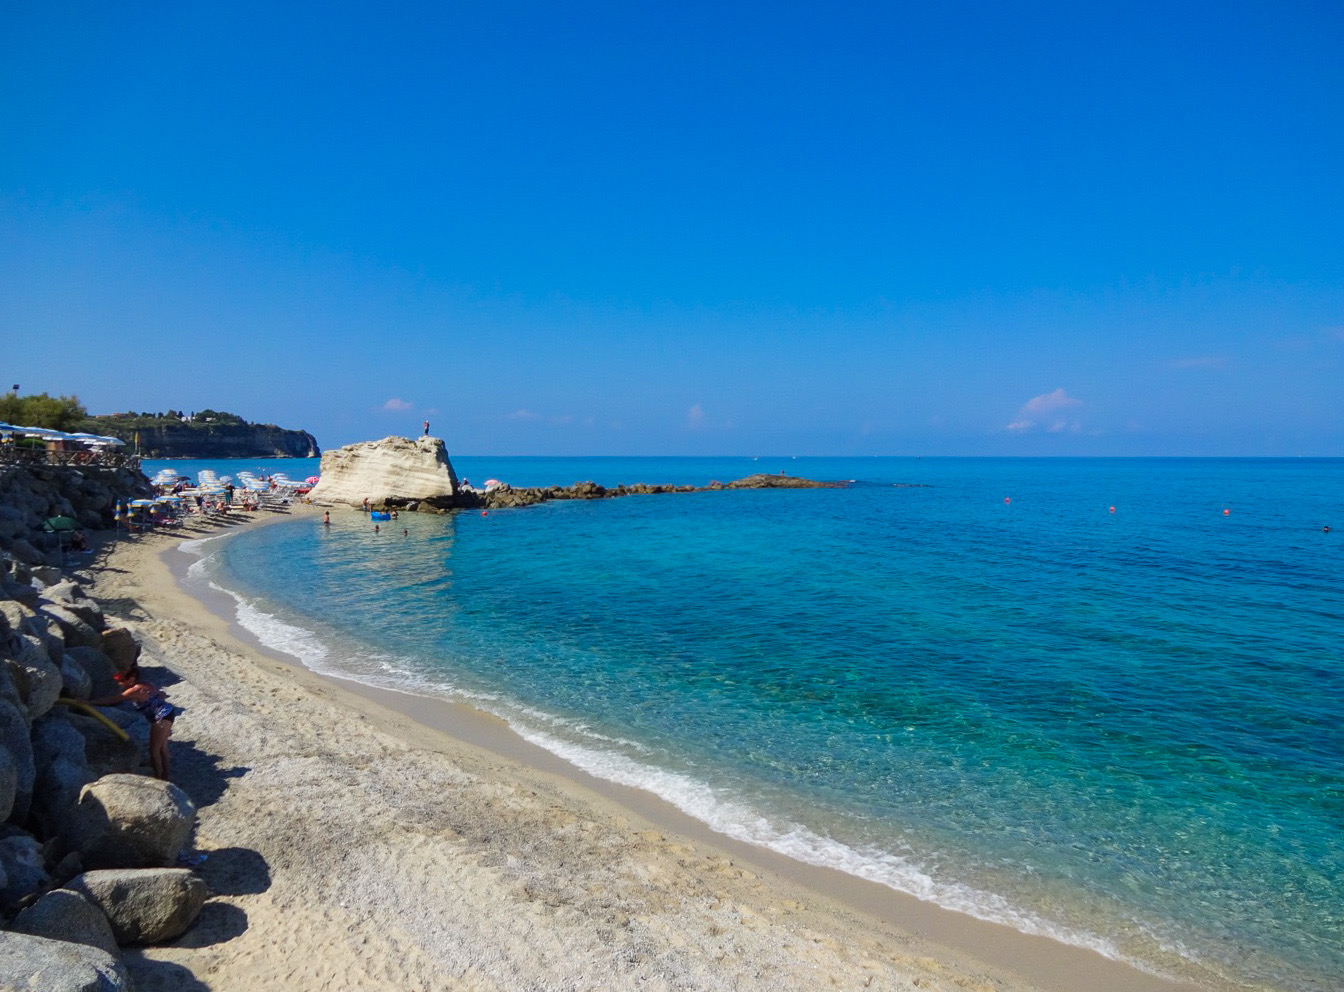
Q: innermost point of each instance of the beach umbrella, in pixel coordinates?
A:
(312, 480)
(96, 439)
(61, 523)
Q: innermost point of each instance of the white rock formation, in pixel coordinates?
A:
(395, 469)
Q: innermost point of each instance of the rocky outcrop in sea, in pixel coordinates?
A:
(396, 471)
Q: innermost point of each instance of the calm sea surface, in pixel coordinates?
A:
(969, 679)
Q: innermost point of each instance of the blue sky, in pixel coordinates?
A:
(727, 228)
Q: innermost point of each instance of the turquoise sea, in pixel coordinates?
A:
(1101, 700)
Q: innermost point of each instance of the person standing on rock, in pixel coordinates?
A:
(152, 702)
(426, 428)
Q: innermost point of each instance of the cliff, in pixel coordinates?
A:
(395, 471)
(218, 436)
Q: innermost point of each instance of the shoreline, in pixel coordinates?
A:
(861, 930)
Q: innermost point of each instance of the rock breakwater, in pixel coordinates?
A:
(88, 847)
(507, 496)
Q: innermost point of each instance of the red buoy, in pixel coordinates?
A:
(1226, 512)
(1112, 509)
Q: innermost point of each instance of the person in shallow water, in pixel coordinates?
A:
(152, 702)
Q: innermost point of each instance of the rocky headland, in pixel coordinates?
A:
(208, 434)
(417, 474)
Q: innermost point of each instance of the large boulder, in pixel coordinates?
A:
(65, 915)
(121, 647)
(19, 592)
(131, 821)
(13, 613)
(144, 906)
(42, 627)
(99, 667)
(24, 552)
(62, 771)
(395, 470)
(21, 859)
(38, 679)
(76, 631)
(36, 964)
(108, 752)
(9, 785)
(75, 681)
(46, 575)
(73, 598)
(15, 738)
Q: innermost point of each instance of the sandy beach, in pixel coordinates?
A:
(359, 839)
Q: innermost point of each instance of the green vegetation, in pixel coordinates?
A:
(59, 413)
(66, 413)
(116, 423)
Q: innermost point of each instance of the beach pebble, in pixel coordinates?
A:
(144, 906)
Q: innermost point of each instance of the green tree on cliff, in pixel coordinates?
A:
(59, 413)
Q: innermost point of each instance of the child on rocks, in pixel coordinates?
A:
(152, 702)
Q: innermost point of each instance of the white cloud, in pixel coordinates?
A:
(695, 418)
(526, 416)
(1063, 426)
(397, 404)
(1058, 400)
(1044, 408)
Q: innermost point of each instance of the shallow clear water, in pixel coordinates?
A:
(968, 679)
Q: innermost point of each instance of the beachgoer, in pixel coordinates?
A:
(394, 513)
(326, 517)
(426, 428)
(366, 504)
(152, 702)
(404, 532)
(376, 529)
